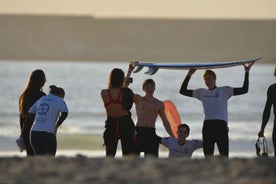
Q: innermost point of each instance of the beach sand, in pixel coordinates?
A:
(81, 169)
(81, 159)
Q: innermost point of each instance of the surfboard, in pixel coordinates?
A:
(154, 67)
(172, 115)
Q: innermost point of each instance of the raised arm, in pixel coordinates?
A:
(131, 67)
(244, 88)
(183, 90)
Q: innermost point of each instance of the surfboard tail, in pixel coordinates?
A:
(151, 70)
(138, 69)
(172, 116)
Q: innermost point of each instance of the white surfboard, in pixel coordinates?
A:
(154, 67)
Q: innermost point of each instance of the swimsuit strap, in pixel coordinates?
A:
(111, 101)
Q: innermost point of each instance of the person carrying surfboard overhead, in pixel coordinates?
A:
(214, 100)
(148, 108)
(270, 101)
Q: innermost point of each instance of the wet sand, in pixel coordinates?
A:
(81, 169)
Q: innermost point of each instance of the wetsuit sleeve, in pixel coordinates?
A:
(31, 116)
(127, 99)
(183, 90)
(267, 108)
(244, 88)
(32, 111)
(62, 117)
(21, 123)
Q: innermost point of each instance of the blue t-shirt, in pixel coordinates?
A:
(47, 110)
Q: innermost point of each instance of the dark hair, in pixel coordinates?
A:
(184, 126)
(36, 82)
(37, 79)
(148, 81)
(275, 71)
(209, 72)
(116, 78)
(56, 90)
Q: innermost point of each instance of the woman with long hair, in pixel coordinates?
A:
(118, 101)
(32, 92)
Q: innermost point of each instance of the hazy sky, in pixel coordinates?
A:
(217, 9)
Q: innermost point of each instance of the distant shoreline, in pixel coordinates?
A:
(85, 38)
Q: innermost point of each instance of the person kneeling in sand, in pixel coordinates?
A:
(181, 147)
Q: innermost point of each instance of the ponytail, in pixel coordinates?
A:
(56, 90)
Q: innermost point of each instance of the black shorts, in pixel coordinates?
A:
(147, 141)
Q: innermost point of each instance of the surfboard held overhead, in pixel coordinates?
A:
(154, 67)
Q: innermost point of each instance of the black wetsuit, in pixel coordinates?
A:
(26, 123)
(270, 101)
(119, 128)
(215, 130)
(122, 128)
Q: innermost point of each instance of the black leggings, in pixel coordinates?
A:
(215, 131)
(26, 137)
(43, 143)
(119, 128)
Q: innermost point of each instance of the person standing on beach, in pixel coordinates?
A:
(270, 101)
(214, 100)
(28, 97)
(147, 109)
(180, 146)
(48, 113)
(118, 101)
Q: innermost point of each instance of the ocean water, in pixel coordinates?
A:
(83, 82)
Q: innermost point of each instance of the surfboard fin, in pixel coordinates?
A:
(138, 69)
(151, 70)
